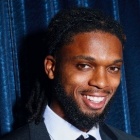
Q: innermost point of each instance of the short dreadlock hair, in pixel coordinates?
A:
(68, 23)
(61, 29)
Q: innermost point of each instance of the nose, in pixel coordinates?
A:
(99, 78)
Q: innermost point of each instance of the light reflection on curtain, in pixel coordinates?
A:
(21, 19)
(116, 16)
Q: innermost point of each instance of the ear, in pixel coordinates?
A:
(49, 64)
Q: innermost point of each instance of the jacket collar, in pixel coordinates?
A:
(38, 131)
(106, 133)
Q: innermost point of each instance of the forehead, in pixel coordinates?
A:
(99, 45)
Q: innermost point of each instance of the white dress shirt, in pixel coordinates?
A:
(59, 129)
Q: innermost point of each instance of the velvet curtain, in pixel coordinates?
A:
(22, 23)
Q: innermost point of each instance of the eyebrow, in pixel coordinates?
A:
(89, 58)
(118, 61)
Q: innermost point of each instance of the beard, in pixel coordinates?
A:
(73, 114)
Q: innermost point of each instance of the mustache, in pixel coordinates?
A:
(95, 91)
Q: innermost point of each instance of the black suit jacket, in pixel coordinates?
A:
(39, 132)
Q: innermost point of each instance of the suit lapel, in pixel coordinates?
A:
(38, 132)
(106, 133)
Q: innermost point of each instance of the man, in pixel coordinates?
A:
(83, 63)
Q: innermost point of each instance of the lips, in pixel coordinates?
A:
(94, 102)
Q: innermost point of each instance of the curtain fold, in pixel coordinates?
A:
(116, 15)
(22, 23)
(7, 89)
(10, 31)
(130, 18)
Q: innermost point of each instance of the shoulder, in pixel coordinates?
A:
(122, 135)
(19, 134)
(31, 131)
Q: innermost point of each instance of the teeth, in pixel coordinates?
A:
(95, 99)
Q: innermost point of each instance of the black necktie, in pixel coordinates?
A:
(89, 138)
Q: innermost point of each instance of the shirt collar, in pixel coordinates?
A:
(59, 129)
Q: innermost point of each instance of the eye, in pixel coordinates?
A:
(114, 69)
(83, 66)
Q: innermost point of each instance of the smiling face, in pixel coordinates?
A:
(89, 74)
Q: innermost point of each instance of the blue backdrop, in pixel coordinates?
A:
(22, 23)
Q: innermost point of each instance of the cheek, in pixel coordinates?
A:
(114, 83)
(71, 81)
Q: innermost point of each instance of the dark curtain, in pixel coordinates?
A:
(22, 24)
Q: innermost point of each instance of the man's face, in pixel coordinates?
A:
(88, 70)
